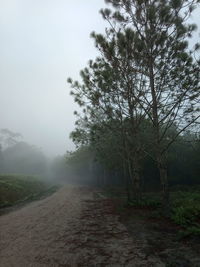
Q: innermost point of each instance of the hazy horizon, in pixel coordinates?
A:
(42, 44)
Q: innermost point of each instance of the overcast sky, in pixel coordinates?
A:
(42, 43)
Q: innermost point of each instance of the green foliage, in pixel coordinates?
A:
(141, 95)
(186, 208)
(15, 188)
(190, 231)
(80, 166)
(81, 156)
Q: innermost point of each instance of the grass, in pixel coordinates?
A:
(175, 240)
(19, 188)
(185, 207)
(186, 212)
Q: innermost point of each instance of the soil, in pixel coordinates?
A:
(75, 227)
(160, 237)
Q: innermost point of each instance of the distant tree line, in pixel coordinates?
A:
(102, 169)
(19, 157)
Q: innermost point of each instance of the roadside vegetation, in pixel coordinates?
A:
(184, 212)
(15, 189)
(24, 172)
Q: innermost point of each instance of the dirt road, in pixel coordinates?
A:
(69, 228)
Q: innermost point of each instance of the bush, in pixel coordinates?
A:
(186, 208)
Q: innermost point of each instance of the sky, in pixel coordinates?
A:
(42, 43)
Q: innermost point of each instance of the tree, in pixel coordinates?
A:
(9, 138)
(106, 88)
(146, 73)
(80, 166)
(166, 65)
(24, 158)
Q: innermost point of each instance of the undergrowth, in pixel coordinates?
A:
(20, 188)
(185, 208)
(186, 212)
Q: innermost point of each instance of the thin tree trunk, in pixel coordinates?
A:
(162, 166)
(136, 178)
(126, 182)
(130, 172)
(161, 161)
(134, 173)
(137, 187)
(104, 177)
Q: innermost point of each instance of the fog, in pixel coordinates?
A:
(43, 43)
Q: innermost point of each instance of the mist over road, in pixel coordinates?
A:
(70, 228)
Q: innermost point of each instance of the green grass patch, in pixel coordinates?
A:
(184, 202)
(185, 207)
(186, 211)
(19, 188)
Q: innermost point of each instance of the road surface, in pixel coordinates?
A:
(72, 227)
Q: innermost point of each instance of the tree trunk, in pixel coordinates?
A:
(161, 160)
(126, 182)
(137, 189)
(131, 178)
(104, 177)
(134, 173)
(162, 166)
(136, 180)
